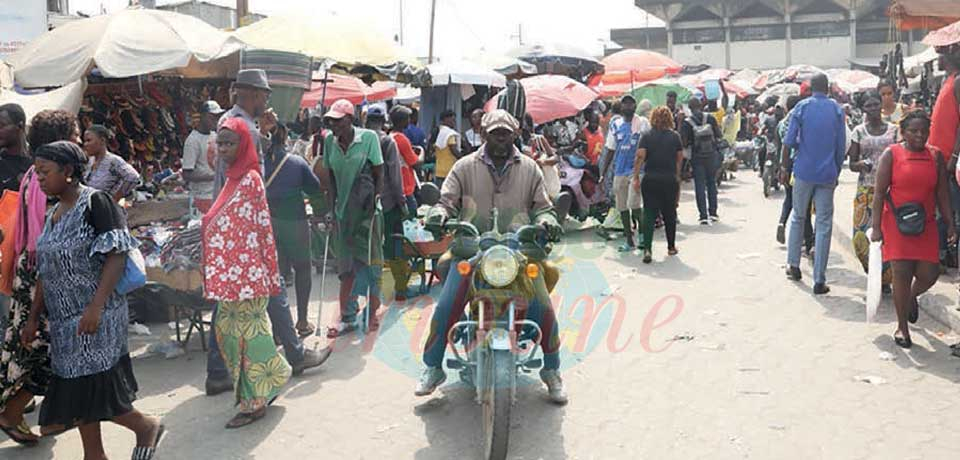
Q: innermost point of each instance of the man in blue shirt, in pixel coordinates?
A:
(623, 140)
(818, 136)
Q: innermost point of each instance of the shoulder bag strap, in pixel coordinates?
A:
(276, 171)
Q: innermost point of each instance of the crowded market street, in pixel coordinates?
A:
(751, 366)
(448, 229)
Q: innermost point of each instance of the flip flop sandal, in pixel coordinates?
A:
(626, 248)
(340, 330)
(17, 434)
(673, 252)
(242, 420)
(914, 311)
(63, 430)
(146, 453)
(306, 331)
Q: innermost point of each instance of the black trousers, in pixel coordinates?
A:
(660, 199)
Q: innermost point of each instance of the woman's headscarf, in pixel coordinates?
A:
(644, 108)
(247, 161)
(64, 153)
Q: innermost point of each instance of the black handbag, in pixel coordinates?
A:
(911, 217)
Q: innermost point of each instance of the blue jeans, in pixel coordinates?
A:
(450, 307)
(705, 186)
(279, 312)
(368, 277)
(822, 196)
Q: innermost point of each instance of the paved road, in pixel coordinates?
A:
(712, 354)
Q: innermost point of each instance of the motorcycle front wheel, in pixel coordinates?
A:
(766, 185)
(497, 401)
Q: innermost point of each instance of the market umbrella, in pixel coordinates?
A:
(782, 91)
(506, 65)
(656, 93)
(346, 40)
(633, 60)
(944, 36)
(552, 97)
(625, 69)
(558, 58)
(124, 44)
(854, 81)
(344, 87)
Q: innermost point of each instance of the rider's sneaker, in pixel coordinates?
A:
(554, 386)
(431, 378)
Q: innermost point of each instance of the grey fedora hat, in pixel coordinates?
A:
(253, 78)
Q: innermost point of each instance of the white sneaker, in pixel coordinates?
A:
(430, 380)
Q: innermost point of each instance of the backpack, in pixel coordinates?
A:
(704, 139)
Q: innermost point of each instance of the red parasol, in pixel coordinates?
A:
(945, 36)
(624, 69)
(552, 97)
(345, 87)
(639, 60)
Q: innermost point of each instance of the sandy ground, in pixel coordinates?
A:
(711, 354)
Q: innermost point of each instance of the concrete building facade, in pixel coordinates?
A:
(764, 34)
(221, 17)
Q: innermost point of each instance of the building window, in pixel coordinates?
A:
(54, 6)
(771, 32)
(820, 29)
(880, 36)
(688, 36)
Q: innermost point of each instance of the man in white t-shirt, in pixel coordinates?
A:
(196, 167)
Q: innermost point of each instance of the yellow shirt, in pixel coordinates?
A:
(445, 158)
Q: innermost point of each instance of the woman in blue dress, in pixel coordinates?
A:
(81, 256)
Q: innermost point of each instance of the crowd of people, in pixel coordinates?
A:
(66, 332)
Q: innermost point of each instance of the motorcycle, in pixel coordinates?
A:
(581, 195)
(728, 162)
(771, 167)
(490, 343)
(746, 153)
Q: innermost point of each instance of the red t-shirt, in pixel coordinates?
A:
(945, 119)
(409, 160)
(594, 145)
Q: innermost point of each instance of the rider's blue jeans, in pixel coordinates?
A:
(449, 310)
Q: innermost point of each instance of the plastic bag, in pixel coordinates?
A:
(874, 278)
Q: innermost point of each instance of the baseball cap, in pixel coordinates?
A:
(377, 110)
(340, 109)
(211, 107)
(499, 119)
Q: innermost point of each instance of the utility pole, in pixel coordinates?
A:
(433, 21)
(519, 34)
(243, 9)
(401, 22)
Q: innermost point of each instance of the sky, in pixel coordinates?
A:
(464, 27)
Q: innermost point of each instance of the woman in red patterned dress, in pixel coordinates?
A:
(240, 271)
(911, 172)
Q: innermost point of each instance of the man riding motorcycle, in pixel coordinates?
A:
(495, 176)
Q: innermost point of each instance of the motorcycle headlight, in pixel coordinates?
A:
(499, 266)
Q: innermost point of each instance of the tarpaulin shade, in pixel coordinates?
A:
(346, 87)
(464, 73)
(67, 98)
(342, 39)
(124, 44)
(656, 93)
(552, 97)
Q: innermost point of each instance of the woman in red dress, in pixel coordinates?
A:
(911, 172)
(240, 272)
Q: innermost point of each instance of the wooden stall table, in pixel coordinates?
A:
(185, 296)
